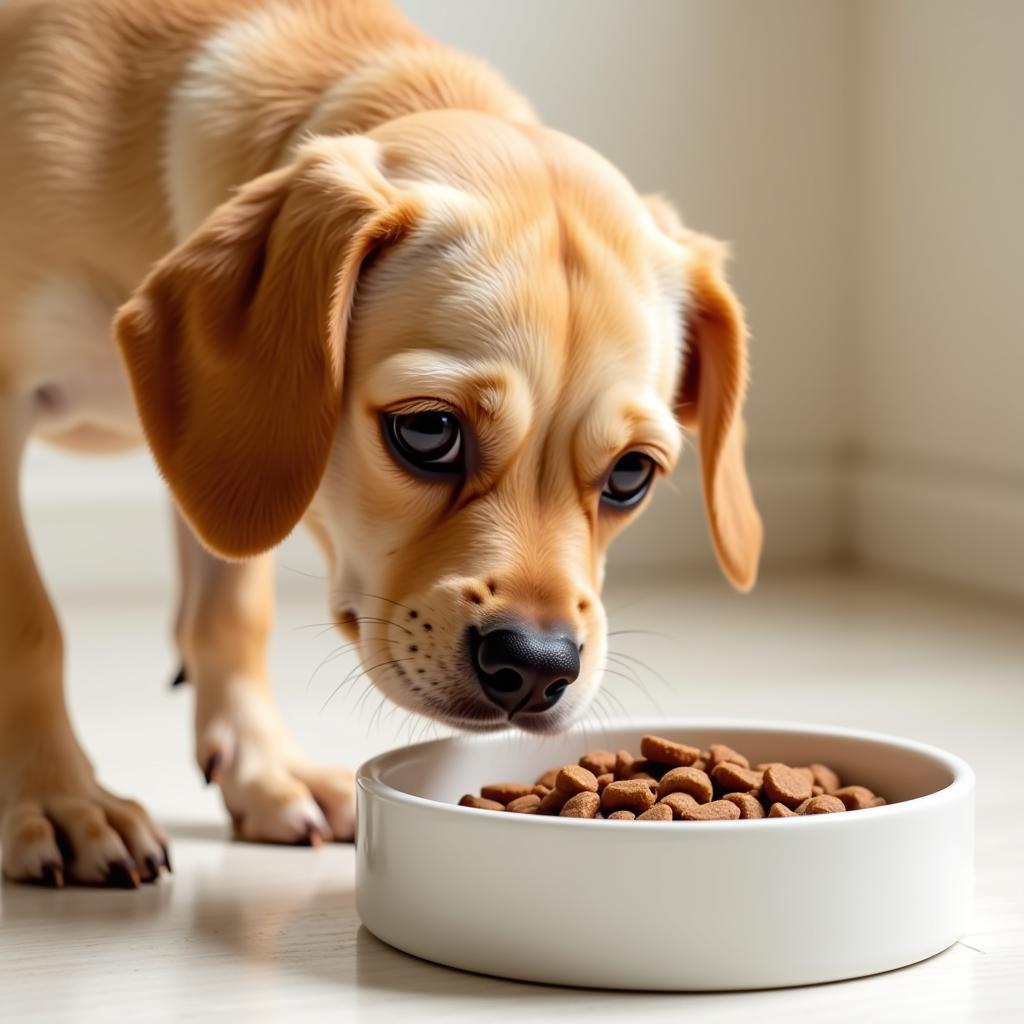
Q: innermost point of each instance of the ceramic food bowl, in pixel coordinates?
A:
(666, 905)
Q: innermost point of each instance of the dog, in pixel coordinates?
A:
(332, 271)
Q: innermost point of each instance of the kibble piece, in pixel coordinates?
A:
(677, 803)
(734, 778)
(645, 777)
(659, 812)
(856, 798)
(750, 806)
(574, 779)
(469, 800)
(553, 802)
(548, 778)
(603, 780)
(807, 774)
(817, 790)
(582, 805)
(823, 804)
(720, 753)
(781, 811)
(825, 777)
(623, 764)
(630, 795)
(541, 790)
(663, 751)
(716, 810)
(598, 761)
(687, 780)
(526, 804)
(621, 816)
(786, 785)
(504, 792)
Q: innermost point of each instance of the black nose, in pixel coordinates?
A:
(524, 669)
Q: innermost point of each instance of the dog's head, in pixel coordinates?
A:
(462, 350)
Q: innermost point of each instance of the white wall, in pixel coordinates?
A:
(938, 366)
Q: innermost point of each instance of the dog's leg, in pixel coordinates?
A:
(56, 822)
(273, 792)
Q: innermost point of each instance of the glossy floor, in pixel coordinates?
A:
(271, 933)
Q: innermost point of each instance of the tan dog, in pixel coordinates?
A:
(359, 286)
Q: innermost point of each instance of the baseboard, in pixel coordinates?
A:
(113, 533)
(955, 525)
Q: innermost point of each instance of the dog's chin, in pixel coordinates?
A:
(474, 716)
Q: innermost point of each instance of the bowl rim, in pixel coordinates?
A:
(369, 775)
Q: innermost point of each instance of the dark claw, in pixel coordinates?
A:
(53, 876)
(180, 677)
(167, 860)
(123, 874)
(152, 869)
(211, 767)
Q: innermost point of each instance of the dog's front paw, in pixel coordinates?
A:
(273, 792)
(57, 824)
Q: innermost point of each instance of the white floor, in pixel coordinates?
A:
(272, 933)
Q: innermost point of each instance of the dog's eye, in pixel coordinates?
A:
(429, 441)
(629, 480)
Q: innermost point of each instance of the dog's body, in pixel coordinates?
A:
(512, 289)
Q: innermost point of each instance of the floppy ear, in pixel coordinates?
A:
(234, 343)
(710, 397)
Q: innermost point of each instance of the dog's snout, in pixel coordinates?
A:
(521, 668)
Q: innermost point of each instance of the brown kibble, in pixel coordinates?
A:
(687, 780)
(645, 777)
(750, 806)
(469, 800)
(582, 805)
(663, 751)
(655, 786)
(659, 812)
(719, 753)
(716, 810)
(575, 779)
(598, 761)
(856, 798)
(785, 785)
(553, 802)
(526, 804)
(677, 803)
(623, 764)
(630, 795)
(504, 792)
(734, 778)
(823, 804)
(825, 777)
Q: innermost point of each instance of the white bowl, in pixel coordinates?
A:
(666, 905)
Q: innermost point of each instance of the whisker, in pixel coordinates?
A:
(641, 632)
(364, 672)
(643, 664)
(376, 597)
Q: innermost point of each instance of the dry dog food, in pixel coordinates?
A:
(671, 781)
